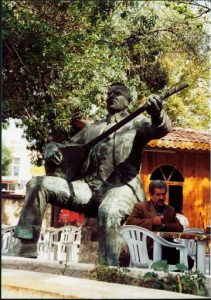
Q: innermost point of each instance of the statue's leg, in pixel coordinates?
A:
(40, 191)
(116, 204)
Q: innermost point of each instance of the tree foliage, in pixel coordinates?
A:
(6, 159)
(59, 58)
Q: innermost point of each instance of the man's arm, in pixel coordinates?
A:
(138, 218)
(171, 223)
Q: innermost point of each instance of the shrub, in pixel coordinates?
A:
(187, 282)
(109, 274)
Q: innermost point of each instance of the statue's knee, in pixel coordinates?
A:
(33, 182)
(103, 213)
(108, 217)
(36, 186)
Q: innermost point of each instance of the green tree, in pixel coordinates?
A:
(59, 57)
(6, 159)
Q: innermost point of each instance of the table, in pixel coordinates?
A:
(201, 242)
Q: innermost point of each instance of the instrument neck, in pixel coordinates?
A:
(116, 126)
(134, 114)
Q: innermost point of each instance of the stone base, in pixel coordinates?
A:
(33, 283)
(89, 242)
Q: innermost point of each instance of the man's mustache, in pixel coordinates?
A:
(161, 200)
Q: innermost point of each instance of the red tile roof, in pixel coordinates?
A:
(184, 138)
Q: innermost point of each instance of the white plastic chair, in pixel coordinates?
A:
(209, 260)
(44, 245)
(65, 242)
(7, 238)
(40, 245)
(136, 239)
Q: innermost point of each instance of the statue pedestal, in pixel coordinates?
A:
(89, 242)
(88, 252)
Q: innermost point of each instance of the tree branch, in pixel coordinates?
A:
(19, 58)
(194, 3)
(204, 12)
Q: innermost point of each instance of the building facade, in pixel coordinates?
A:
(182, 159)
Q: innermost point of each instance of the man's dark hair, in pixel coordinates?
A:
(159, 184)
(125, 91)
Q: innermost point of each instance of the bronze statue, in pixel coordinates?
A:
(106, 186)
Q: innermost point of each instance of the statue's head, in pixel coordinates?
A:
(118, 97)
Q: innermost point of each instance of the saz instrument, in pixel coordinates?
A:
(75, 155)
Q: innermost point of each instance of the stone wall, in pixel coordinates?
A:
(11, 206)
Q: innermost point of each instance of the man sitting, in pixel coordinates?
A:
(155, 215)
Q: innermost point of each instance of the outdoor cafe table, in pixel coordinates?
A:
(201, 242)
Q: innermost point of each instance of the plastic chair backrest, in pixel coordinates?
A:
(136, 241)
(8, 240)
(68, 243)
(65, 233)
(77, 239)
(43, 245)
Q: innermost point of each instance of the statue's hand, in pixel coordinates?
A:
(154, 105)
(53, 156)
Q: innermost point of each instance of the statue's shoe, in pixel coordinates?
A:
(23, 249)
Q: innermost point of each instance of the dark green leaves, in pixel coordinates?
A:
(59, 57)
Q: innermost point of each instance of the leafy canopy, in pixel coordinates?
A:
(60, 57)
(6, 159)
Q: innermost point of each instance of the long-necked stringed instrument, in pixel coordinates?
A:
(74, 155)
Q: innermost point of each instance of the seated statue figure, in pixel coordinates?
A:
(106, 187)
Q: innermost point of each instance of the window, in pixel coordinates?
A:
(167, 173)
(4, 186)
(15, 167)
(174, 180)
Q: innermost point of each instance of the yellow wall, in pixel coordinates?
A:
(37, 171)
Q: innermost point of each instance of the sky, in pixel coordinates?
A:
(13, 135)
(12, 138)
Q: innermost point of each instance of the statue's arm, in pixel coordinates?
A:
(52, 154)
(80, 137)
(158, 125)
(155, 110)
